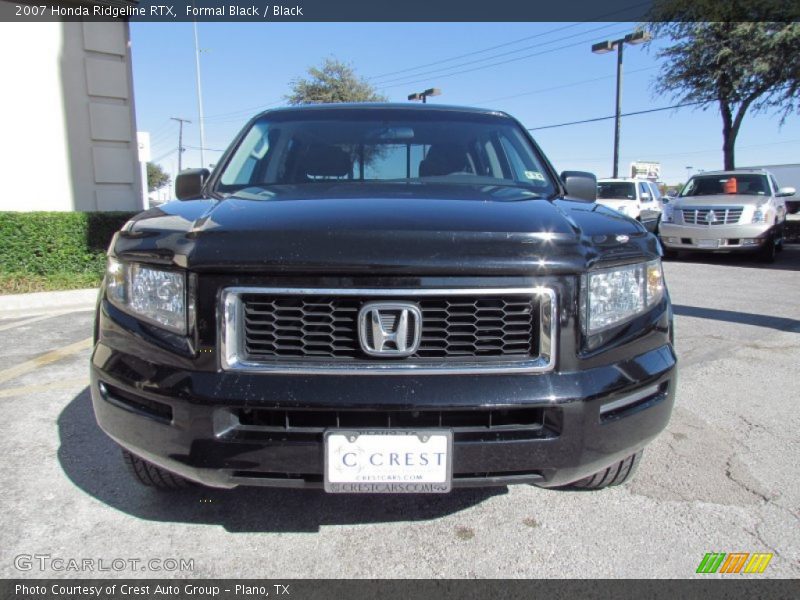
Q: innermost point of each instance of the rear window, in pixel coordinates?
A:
(444, 149)
(616, 190)
(747, 184)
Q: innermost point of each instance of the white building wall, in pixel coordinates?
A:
(67, 117)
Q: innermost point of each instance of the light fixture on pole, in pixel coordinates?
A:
(424, 95)
(637, 37)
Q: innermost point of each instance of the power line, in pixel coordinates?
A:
(503, 62)
(161, 129)
(241, 111)
(163, 156)
(560, 87)
(433, 72)
(161, 138)
(238, 114)
(490, 48)
(629, 114)
(676, 154)
(204, 148)
(506, 44)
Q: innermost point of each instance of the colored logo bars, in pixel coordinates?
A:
(737, 562)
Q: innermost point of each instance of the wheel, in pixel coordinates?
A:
(614, 475)
(150, 475)
(769, 250)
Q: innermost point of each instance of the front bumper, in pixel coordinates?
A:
(188, 422)
(714, 237)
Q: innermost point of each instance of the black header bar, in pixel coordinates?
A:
(267, 11)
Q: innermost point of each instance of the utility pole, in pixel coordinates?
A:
(180, 140)
(199, 98)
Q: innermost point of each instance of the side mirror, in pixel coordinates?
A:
(580, 185)
(645, 197)
(189, 183)
(786, 191)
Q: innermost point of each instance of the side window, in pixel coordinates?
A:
(643, 189)
(252, 151)
(775, 185)
(522, 167)
(493, 168)
(656, 192)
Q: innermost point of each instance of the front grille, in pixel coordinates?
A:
(451, 330)
(716, 215)
(495, 424)
(325, 327)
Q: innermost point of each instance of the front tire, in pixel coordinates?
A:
(768, 252)
(616, 474)
(148, 474)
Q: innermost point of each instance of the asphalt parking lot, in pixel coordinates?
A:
(722, 478)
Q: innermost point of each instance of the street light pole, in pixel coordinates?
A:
(637, 37)
(618, 111)
(199, 98)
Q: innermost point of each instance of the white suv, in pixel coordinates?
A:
(632, 197)
(729, 211)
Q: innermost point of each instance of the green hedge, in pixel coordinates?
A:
(55, 246)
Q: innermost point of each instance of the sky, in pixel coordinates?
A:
(541, 73)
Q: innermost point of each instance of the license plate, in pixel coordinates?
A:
(708, 243)
(388, 461)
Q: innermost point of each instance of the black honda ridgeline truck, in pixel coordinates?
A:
(383, 298)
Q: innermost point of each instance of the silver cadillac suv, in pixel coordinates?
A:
(741, 210)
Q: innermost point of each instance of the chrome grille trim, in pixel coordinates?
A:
(725, 215)
(233, 357)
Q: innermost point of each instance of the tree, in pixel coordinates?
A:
(333, 81)
(737, 66)
(156, 177)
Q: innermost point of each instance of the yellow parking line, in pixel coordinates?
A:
(38, 318)
(44, 387)
(44, 359)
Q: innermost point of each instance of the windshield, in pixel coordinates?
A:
(616, 190)
(442, 148)
(712, 185)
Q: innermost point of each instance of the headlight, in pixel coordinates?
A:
(150, 294)
(760, 214)
(666, 214)
(612, 296)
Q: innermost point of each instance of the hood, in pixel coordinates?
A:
(404, 228)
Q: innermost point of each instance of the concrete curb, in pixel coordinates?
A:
(23, 305)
